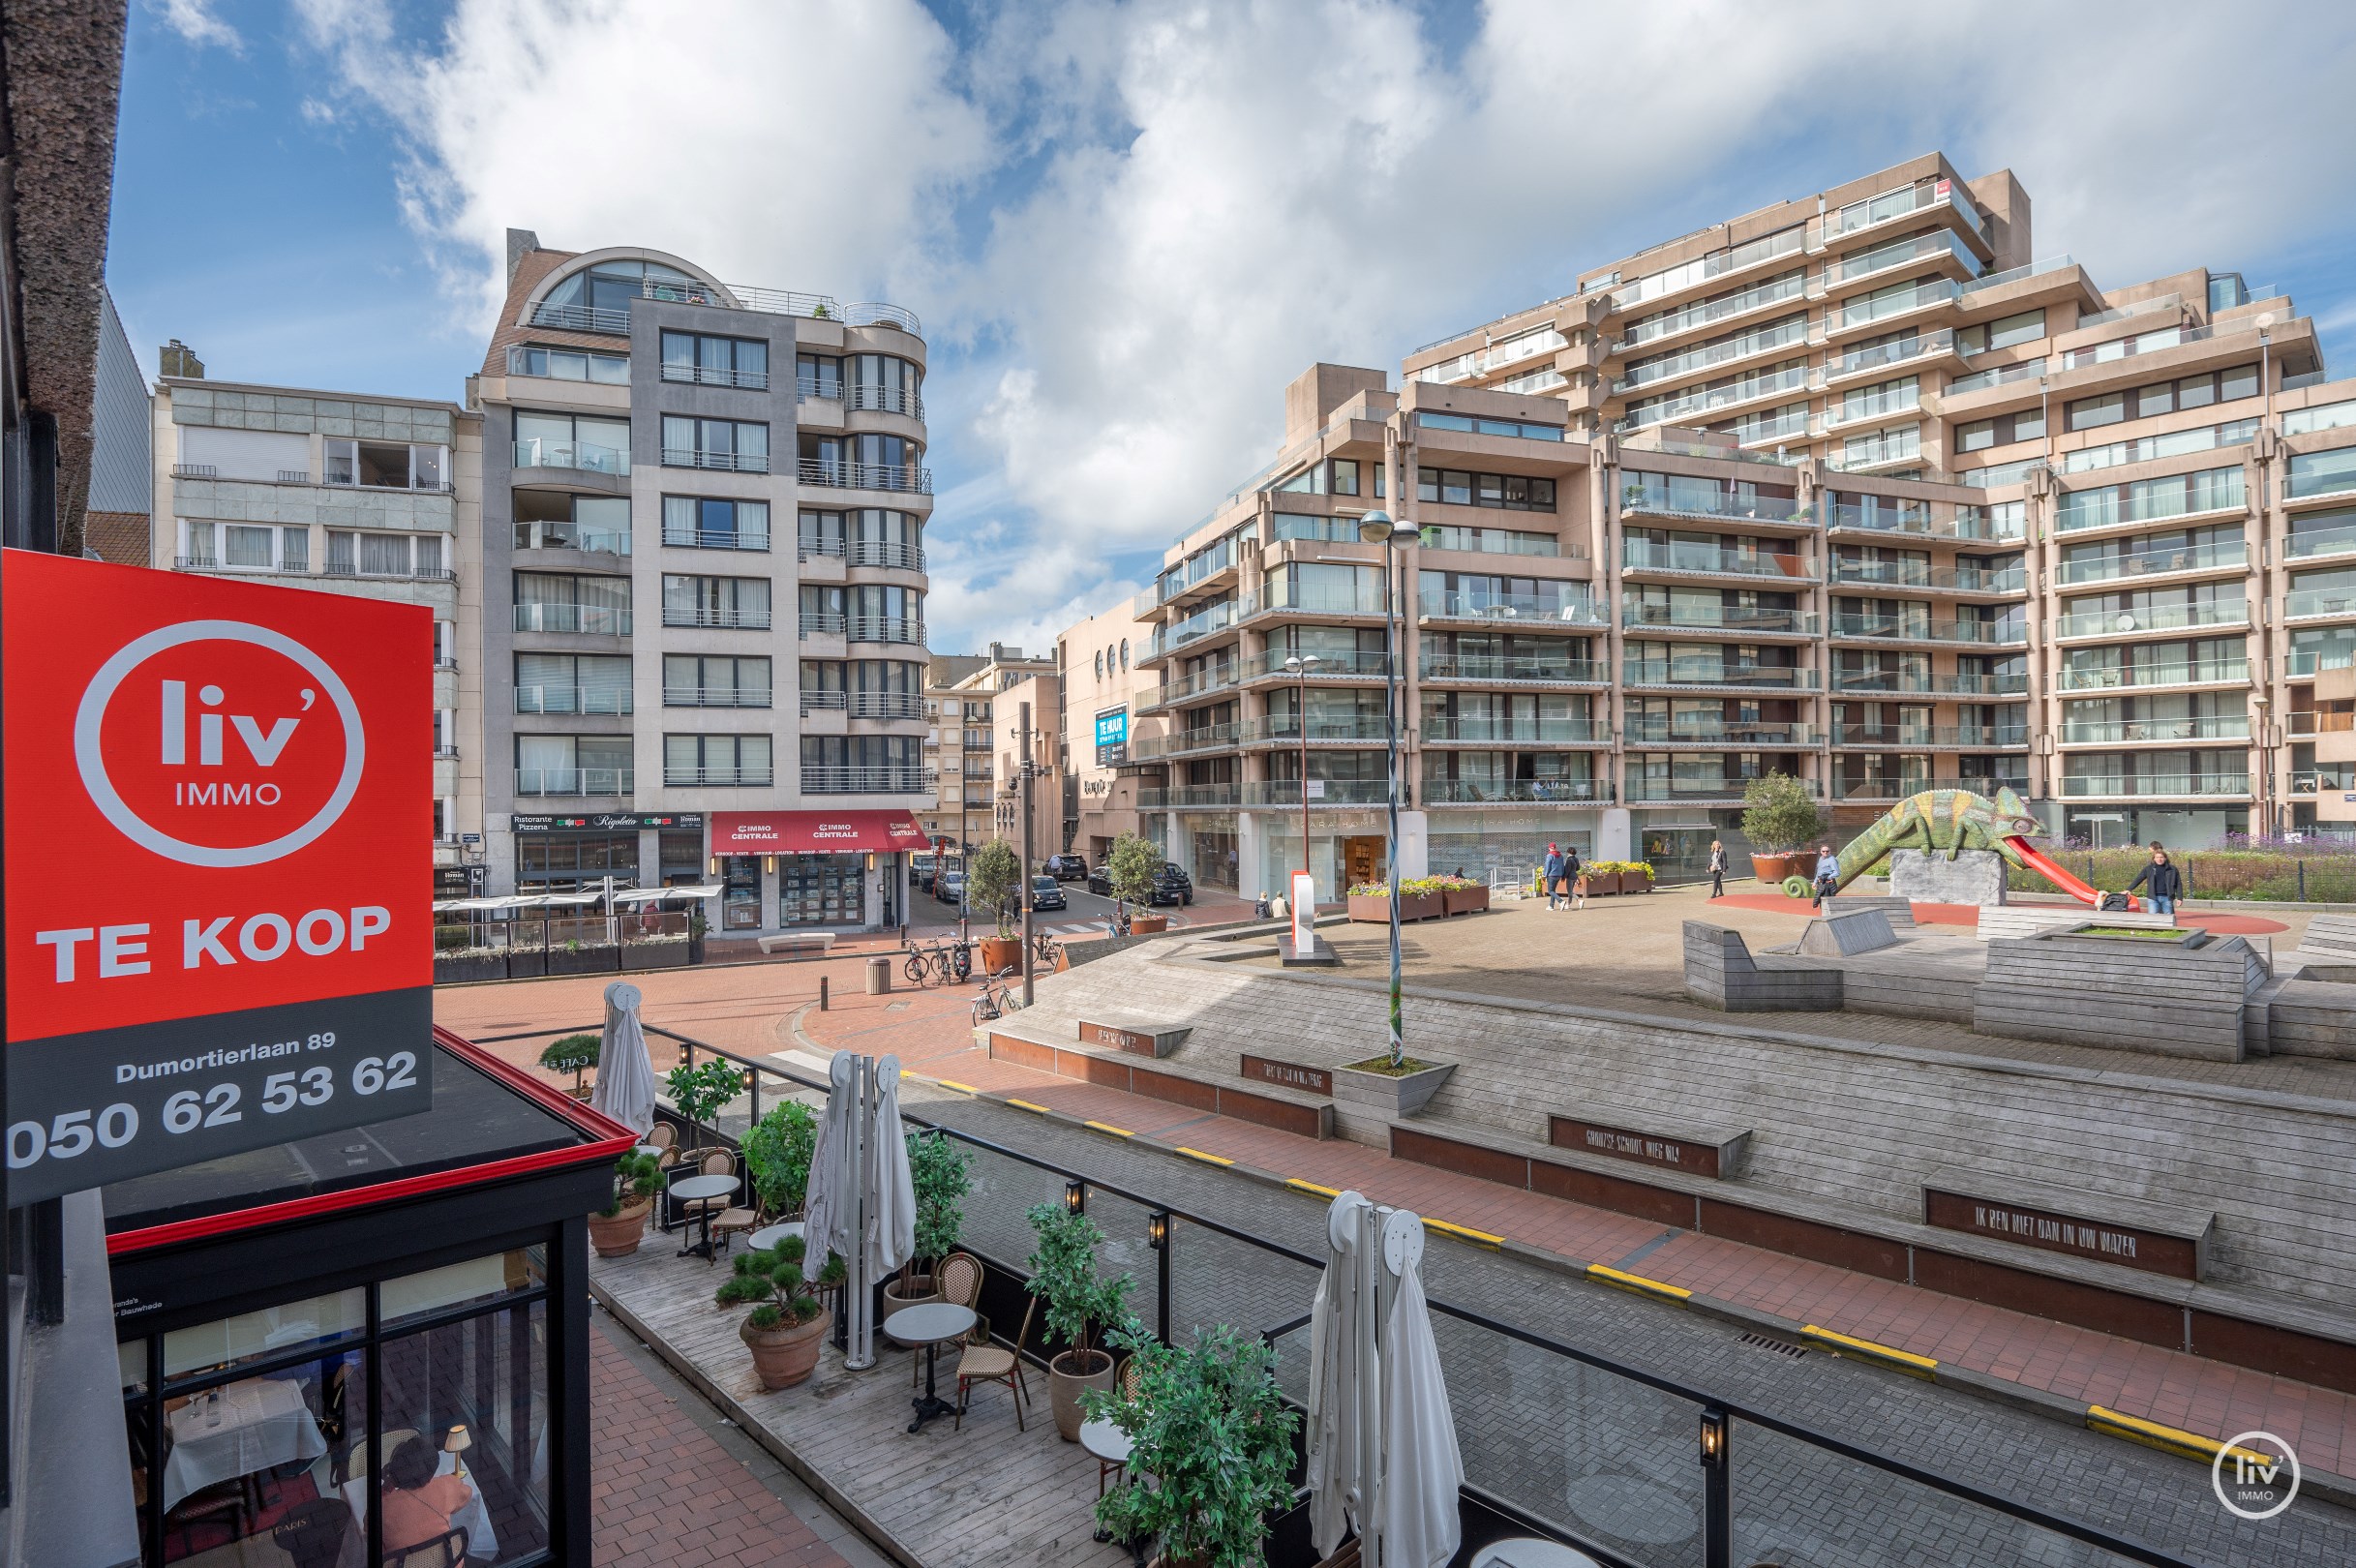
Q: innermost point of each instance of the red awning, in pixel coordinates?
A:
(814, 832)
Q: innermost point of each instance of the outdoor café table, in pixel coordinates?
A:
(1528, 1552)
(768, 1236)
(687, 1189)
(482, 1541)
(221, 1434)
(929, 1326)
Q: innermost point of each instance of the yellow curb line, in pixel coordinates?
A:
(1206, 1158)
(961, 1088)
(1478, 1238)
(1107, 1126)
(1027, 1105)
(1636, 1283)
(1311, 1186)
(2168, 1439)
(1905, 1360)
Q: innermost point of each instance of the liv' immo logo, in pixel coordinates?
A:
(219, 743)
(2256, 1475)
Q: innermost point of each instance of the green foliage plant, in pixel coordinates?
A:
(1079, 1305)
(773, 1278)
(993, 880)
(701, 1092)
(777, 1151)
(636, 1176)
(575, 1054)
(938, 1172)
(1131, 866)
(1779, 815)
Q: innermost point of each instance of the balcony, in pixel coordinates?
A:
(752, 776)
(1217, 678)
(2104, 509)
(2317, 475)
(2151, 619)
(736, 296)
(1194, 796)
(2341, 541)
(1793, 335)
(1707, 403)
(2000, 375)
(1262, 666)
(2200, 786)
(1906, 784)
(1181, 743)
(723, 697)
(572, 698)
(1564, 608)
(554, 534)
(885, 553)
(1484, 731)
(1743, 619)
(718, 538)
(1873, 309)
(1919, 629)
(692, 375)
(1882, 258)
(1508, 670)
(586, 620)
(887, 781)
(1698, 790)
(1462, 792)
(1193, 628)
(1716, 264)
(1921, 682)
(1694, 317)
(1662, 495)
(885, 705)
(535, 453)
(1931, 737)
(1893, 205)
(1891, 450)
(1912, 349)
(2153, 676)
(884, 629)
(1744, 677)
(1921, 575)
(821, 624)
(2319, 604)
(701, 615)
(2226, 727)
(1702, 561)
(1332, 792)
(2233, 557)
(697, 457)
(1284, 728)
(865, 476)
(592, 781)
(1914, 520)
(1666, 730)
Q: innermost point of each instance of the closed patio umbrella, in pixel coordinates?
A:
(891, 1213)
(1341, 1353)
(831, 1201)
(625, 1077)
(1422, 1466)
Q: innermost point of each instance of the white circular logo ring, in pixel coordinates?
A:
(89, 752)
(2245, 1440)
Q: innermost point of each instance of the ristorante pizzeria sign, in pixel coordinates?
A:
(217, 806)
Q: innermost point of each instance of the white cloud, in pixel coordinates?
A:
(194, 20)
(1128, 227)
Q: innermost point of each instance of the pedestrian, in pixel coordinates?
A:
(1574, 873)
(1259, 910)
(1717, 870)
(1549, 876)
(2163, 883)
(1827, 874)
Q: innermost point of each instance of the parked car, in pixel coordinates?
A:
(920, 869)
(1172, 885)
(1048, 894)
(950, 888)
(1067, 867)
(1100, 882)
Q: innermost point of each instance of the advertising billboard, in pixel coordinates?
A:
(217, 801)
(1112, 738)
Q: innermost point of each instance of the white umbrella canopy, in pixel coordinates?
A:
(1338, 1375)
(831, 1198)
(1422, 1466)
(625, 1077)
(891, 1207)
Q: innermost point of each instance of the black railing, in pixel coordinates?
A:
(1714, 1484)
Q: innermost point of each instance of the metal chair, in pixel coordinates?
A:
(992, 1364)
(445, 1551)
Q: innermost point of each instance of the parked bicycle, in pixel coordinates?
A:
(1045, 950)
(999, 997)
(945, 961)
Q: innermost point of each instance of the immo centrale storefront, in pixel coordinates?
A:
(776, 869)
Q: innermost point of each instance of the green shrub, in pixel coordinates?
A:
(778, 1150)
(1079, 1304)
(1779, 814)
(575, 1054)
(993, 882)
(447, 938)
(772, 1276)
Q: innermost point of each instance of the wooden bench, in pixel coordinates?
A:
(2005, 921)
(1721, 973)
(798, 942)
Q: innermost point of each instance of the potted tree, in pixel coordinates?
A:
(1130, 870)
(994, 882)
(1207, 1423)
(1079, 1305)
(778, 1150)
(937, 1174)
(701, 1092)
(617, 1229)
(1780, 818)
(785, 1331)
(575, 1054)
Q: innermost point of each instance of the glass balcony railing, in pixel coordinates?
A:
(1277, 792)
(2129, 786)
(1750, 678)
(1923, 682)
(1564, 606)
(1178, 742)
(1180, 797)
(1694, 316)
(2136, 677)
(1641, 790)
(1908, 348)
(1362, 728)
(564, 535)
(1676, 495)
(1726, 617)
(590, 619)
(536, 453)
(1733, 258)
(1922, 629)
(537, 781)
(2153, 562)
(1703, 404)
(2121, 731)
(1902, 737)
(1508, 669)
(1897, 254)
(2314, 542)
(1514, 730)
(2314, 604)
(1916, 573)
(1891, 205)
(2321, 473)
(572, 698)
(1329, 665)
(1783, 334)
(2154, 617)
(1669, 730)
(1879, 451)
(2106, 508)
(1676, 556)
(1360, 595)
(1998, 375)
(1194, 628)
(1443, 792)
(1882, 306)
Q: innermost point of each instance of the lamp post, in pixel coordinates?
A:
(1300, 666)
(1376, 528)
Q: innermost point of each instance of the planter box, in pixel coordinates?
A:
(489, 966)
(1772, 868)
(1386, 1095)
(1465, 900)
(1148, 924)
(1370, 911)
(1602, 884)
(526, 963)
(1376, 910)
(584, 961)
(655, 955)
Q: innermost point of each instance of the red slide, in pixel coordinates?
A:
(2044, 866)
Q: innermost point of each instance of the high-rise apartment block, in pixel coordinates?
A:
(1860, 488)
(704, 514)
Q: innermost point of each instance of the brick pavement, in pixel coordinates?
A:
(665, 1494)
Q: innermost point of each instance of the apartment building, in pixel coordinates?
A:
(375, 496)
(678, 689)
(1103, 683)
(959, 737)
(1885, 497)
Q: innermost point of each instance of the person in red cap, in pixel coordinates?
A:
(1551, 874)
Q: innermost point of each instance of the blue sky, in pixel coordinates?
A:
(1127, 225)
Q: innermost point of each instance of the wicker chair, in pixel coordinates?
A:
(981, 1360)
(665, 1140)
(1127, 1382)
(445, 1551)
(732, 1223)
(714, 1162)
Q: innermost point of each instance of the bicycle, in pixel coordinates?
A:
(998, 997)
(1045, 950)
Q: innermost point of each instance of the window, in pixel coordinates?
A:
(1512, 492)
(2091, 413)
(598, 298)
(715, 523)
(445, 644)
(740, 446)
(1975, 437)
(878, 536)
(717, 759)
(572, 683)
(568, 364)
(712, 361)
(1468, 425)
(386, 465)
(1345, 476)
(385, 554)
(818, 375)
(550, 520)
(2322, 474)
(2028, 425)
(884, 382)
(716, 681)
(884, 613)
(554, 440)
(1100, 664)
(547, 602)
(2005, 332)
(716, 602)
(1124, 652)
(862, 764)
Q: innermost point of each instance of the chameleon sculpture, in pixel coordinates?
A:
(1934, 819)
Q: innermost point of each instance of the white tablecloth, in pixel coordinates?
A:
(251, 1426)
(473, 1518)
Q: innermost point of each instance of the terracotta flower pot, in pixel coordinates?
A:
(786, 1355)
(999, 953)
(1774, 868)
(617, 1234)
(1148, 924)
(1065, 1387)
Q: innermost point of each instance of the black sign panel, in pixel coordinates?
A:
(606, 822)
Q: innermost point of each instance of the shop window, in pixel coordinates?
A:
(822, 889)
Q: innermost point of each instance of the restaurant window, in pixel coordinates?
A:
(567, 862)
(250, 1436)
(682, 858)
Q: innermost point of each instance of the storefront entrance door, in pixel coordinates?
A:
(1362, 858)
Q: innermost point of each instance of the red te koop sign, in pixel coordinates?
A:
(218, 807)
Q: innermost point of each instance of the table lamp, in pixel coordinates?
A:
(454, 1443)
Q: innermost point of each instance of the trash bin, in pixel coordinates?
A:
(879, 976)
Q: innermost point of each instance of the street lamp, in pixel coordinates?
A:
(1376, 528)
(1301, 666)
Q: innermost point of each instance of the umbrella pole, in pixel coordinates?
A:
(857, 1302)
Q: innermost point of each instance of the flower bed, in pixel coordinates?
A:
(1420, 899)
(1617, 877)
